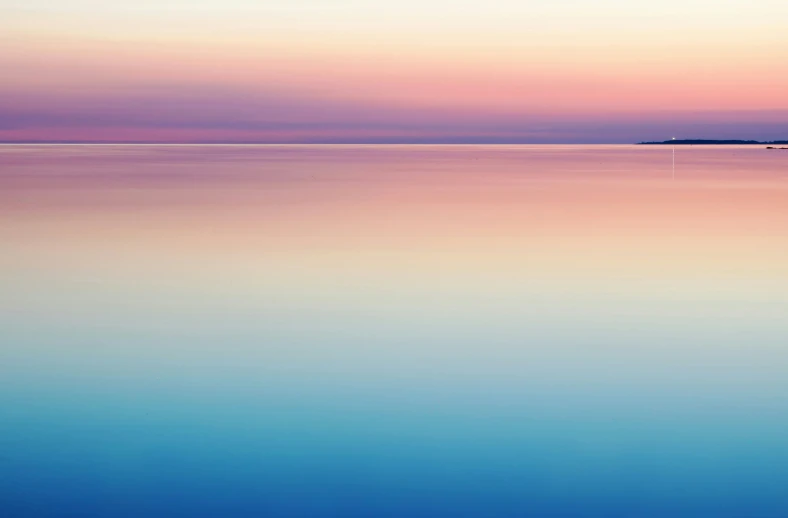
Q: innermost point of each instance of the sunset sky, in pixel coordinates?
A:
(565, 71)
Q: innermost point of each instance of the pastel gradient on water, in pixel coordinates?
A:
(408, 71)
(309, 331)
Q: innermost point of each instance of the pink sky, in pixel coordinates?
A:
(430, 71)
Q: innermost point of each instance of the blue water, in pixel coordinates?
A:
(176, 344)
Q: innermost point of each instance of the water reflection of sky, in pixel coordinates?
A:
(393, 331)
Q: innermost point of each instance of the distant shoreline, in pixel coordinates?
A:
(701, 142)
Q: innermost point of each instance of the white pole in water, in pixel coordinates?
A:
(674, 159)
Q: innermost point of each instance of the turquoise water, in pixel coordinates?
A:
(353, 331)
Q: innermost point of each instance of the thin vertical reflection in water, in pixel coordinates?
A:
(392, 331)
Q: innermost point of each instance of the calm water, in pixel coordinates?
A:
(351, 331)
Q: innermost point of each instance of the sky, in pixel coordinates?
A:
(411, 71)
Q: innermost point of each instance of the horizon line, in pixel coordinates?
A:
(322, 143)
(233, 143)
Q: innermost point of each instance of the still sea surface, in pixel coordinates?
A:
(393, 331)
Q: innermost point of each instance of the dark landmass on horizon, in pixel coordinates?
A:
(394, 142)
(691, 142)
(300, 143)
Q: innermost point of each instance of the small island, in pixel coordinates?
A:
(700, 142)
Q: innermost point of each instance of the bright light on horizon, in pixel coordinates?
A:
(566, 71)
